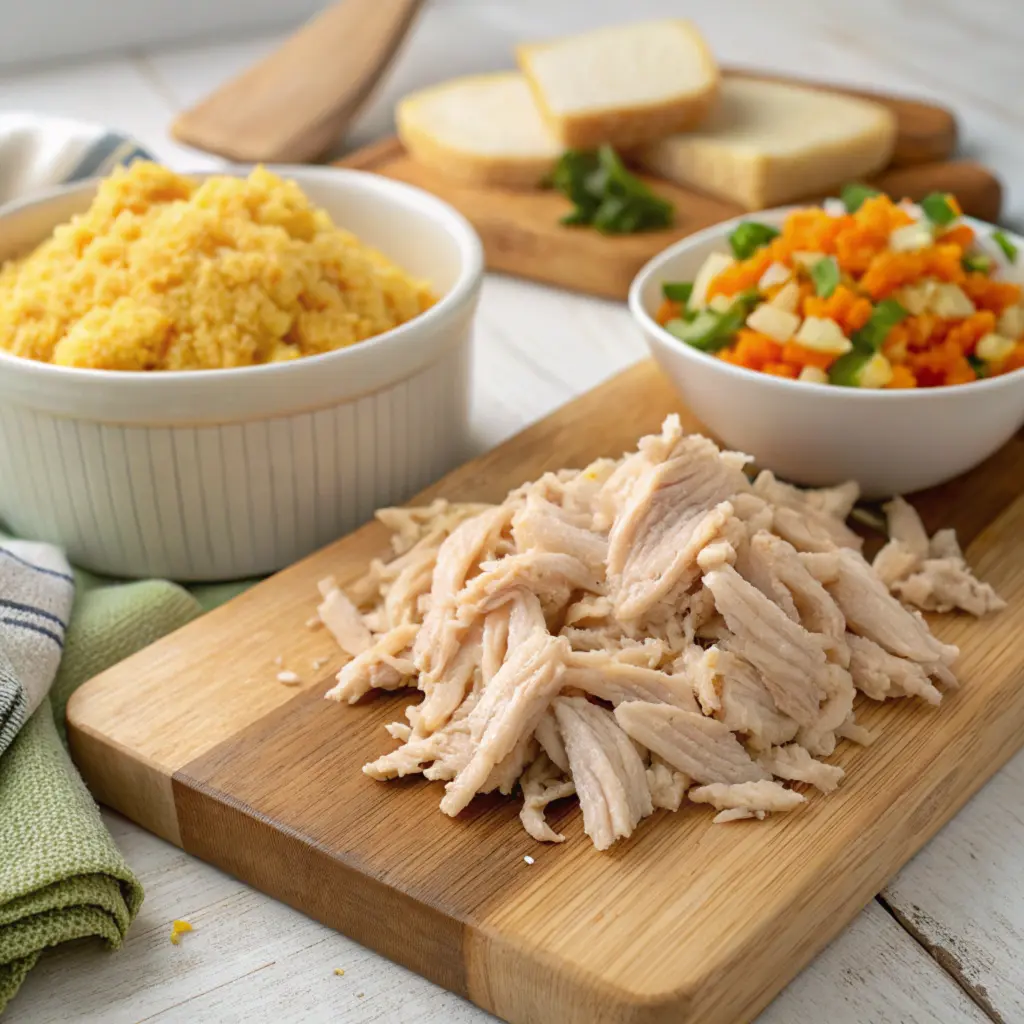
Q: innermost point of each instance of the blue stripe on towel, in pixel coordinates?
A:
(17, 606)
(38, 568)
(42, 630)
(104, 154)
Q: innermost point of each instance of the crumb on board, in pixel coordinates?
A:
(359, 995)
(313, 622)
(528, 859)
(279, 660)
(289, 678)
(318, 663)
(339, 971)
(179, 928)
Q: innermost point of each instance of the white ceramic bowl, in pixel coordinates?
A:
(891, 442)
(222, 474)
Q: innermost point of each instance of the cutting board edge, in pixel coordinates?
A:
(489, 955)
(137, 787)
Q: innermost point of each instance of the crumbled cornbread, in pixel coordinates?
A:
(162, 273)
(179, 928)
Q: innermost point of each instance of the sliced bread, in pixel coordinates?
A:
(623, 85)
(766, 143)
(479, 130)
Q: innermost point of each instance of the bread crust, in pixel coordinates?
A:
(626, 127)
(466, 166)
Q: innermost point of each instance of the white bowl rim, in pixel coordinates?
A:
(920, 395)
(470, 275)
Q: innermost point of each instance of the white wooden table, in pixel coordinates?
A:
(945, 941)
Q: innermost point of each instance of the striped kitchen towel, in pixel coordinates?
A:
(36, 593)
(39, 152)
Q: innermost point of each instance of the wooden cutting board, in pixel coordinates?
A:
(522, 235)
(686, 922)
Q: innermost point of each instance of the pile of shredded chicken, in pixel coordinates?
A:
(642, 631)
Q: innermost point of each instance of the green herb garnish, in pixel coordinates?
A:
(854, 195)
(677, 291)
(977, 264)
(709, 331)
(1009, 249)
(825, 275)
(749, 236)
(884, 317)
(938, 209)
(846, 370)
(606, 196)
(979, 366)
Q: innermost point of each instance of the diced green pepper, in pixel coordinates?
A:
(977, 264)
(853, 196)
(979, 366)
(709, 331)
(703, 331)
(749, 236)
(846, 370)
(938, 209)
(677, 291)
(825, 275)
(1004, 243)
(884, 317)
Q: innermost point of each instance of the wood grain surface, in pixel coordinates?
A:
(683, 922)
(522, 234)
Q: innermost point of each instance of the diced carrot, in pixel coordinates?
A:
(798, 356)
(944, 262)
(989, 294)
(966, 334)
(754, 350)
(961, 235)
(960, 372)
(891, 270)
(740, 276)
(780, 370)
(902, 377)
(880, 213)
(954, 205)
(856, 248)
(668, 310)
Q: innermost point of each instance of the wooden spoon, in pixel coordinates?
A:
(293, 105)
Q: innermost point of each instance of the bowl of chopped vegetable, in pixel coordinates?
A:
(862, 338)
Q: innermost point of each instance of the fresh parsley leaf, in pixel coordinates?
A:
(606, 196)
(1004, 243)
(825, 275)
(749, 236)
(884, 317)
(677, 291)
(979, 366)
(978, 263)
(938, 209)
(853, 195)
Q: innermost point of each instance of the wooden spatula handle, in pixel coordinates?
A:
(315, 82)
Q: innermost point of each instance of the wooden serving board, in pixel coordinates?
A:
(685, 922)
(522, 234)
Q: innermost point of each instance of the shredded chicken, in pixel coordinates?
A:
(755, 798)
(643, 630)
(930, 574)
(609, 775)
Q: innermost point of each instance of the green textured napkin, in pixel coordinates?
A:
(61, 875)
